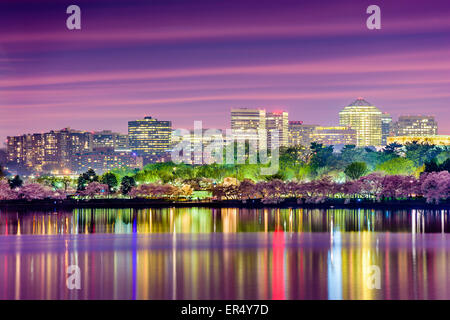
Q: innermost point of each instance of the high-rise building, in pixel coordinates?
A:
(415, 126)
(196, 144)
(74, 141)
(16, 150)
(122, 142)
(386, 124)
(149, 137)
(249, 125)
(109, 139)
(334, 135)
(277, 121)
(365, 119)
(105, 159)
(49, 151)
(300, 134)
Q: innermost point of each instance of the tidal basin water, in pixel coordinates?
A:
(201, 253)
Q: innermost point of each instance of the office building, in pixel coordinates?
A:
(249, 125)
(334, 135)
(46, 152)
(415, 126)
(102, 160)
(365, 119)
(109, 139)
(198, 144)
(300, 134)
(386, 125)
(277, 121)
(149, 137)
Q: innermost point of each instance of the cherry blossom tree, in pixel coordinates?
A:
(34, 191)
(156, 190)
(436, 186)
(247, 190)
(95, 189)
(391, 186)
(371, 185)
(351, 188)
(398, 186)
(5, 191)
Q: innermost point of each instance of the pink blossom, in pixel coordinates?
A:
(5, 191)
(436, 186)
(34, 191)
(153, 190)
(95, 189)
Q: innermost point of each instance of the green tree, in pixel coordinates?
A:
(127, 184)
(55, 182)
(294, 156)
(85, 178)
(66, 181)
(303, 173)
(15, 182)
(350, 153)
(276, 176)
(322, 156)
(445, 166)
(431, 166)
(2, 173)
(124, 171)
(110, 179)
(356, 170)
(396, 166)
(393, 149)
(146, 176)
(420, 153)
(443, 155)
(184, 171)
(213, 171)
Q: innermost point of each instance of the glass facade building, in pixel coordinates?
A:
(109, 139)
(279, 121)
(365, 119)
(249, 125)
(334, 135)
(149, 137)
(300, 134)
(415, 126)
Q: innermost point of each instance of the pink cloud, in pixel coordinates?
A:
(422, 61)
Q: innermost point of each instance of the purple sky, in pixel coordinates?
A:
(185, 60)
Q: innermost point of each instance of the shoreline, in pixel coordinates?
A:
(248, 204)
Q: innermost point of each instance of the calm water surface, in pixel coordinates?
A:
(200, 253)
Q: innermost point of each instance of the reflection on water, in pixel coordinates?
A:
(225, 254)
(207, 220)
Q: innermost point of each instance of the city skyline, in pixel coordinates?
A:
(172, 59)
(150, 140)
